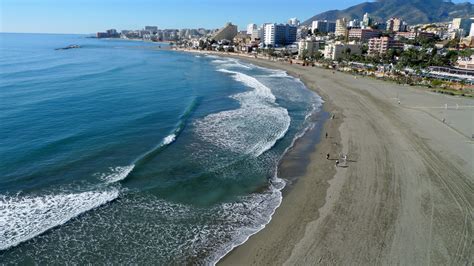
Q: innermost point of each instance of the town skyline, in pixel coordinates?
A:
(86, 16)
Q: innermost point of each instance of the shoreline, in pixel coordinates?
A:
(315, 159)
(304, 144)
(404, 195)
(311, 147)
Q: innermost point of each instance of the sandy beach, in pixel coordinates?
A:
(405, 194)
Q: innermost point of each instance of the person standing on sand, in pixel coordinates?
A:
(326, 135)
(327, 156)
(337, 163)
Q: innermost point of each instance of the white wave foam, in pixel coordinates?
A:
(169, 139)
(220, 61)
(24, 217)
(116, 174)
(260, 90)
(212, 56)
(230, 62)
(253, 128)
(275, 73)
(259, 208)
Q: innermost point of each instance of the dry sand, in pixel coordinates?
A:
(406, 195)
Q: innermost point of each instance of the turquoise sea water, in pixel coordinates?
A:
(121, 152)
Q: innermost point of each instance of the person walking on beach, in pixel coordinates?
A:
(337, 163)
(326, 135)
(327, 156)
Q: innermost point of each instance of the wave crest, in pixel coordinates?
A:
(252, 129)
(24, 217)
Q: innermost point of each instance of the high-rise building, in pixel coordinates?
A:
(341, 27)
(293, 22)
(366, 21)
(323, 26)
(461, 26)
(250, 28)
(257, 34)
(112, 33)
(355, 23)
(363, 34)
(279, 34)
(228, 32)
(396, 25)
(382, 45)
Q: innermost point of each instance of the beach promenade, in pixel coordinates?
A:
(405, 195)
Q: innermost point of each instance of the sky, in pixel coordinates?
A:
(90, 16)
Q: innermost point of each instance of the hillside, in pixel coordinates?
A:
(412, 11)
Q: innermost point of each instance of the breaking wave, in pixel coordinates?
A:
(147, 156)
(252, 129)
(230, 62)
(24, 217)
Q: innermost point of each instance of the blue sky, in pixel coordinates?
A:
(89, 16)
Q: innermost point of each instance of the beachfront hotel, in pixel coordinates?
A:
(228, 32)
(323, 26)
(279, 34)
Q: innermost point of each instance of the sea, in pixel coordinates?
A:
(128, 152)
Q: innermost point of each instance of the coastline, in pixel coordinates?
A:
(286, 217)
(405, 195)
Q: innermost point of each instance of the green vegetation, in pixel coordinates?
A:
(306, 55)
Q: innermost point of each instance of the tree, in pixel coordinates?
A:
(305, 54)
(347, 53)
(317, 55)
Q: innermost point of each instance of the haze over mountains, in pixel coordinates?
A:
(412, 11)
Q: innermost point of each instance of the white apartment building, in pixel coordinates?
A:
(334, 51)
(269, 34)
(258, 33)
(308, 44)
(293, 22)
(323, 26)
(279, 34)
(250, 28)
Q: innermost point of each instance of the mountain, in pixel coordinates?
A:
(412, 11)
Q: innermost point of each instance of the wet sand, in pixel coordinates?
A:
(405, 195)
